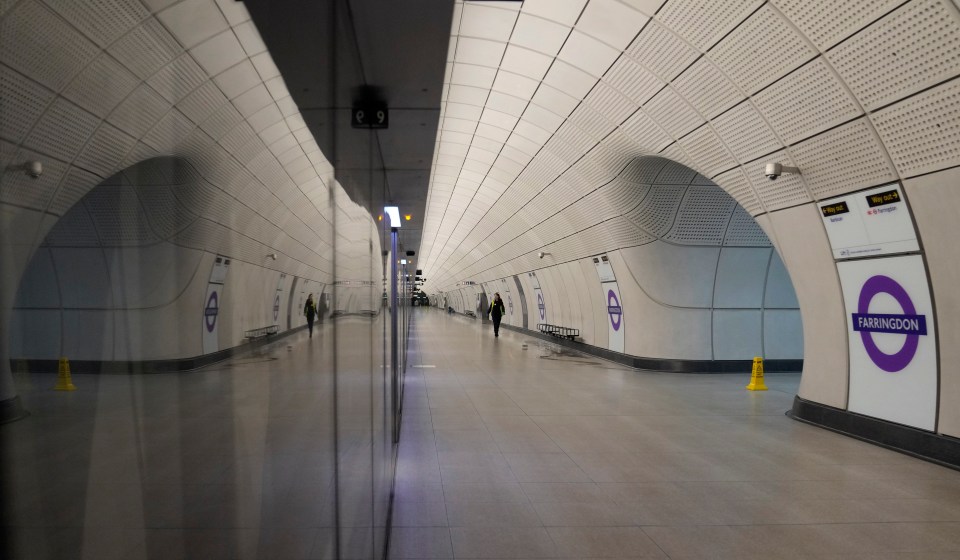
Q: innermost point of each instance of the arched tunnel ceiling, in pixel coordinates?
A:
(547, 100)
(93, 89)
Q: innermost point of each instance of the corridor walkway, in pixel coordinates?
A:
(513, 452)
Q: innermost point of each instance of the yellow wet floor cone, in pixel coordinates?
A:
(64, 383)
(756, 378)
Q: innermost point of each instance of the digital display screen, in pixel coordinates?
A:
(887, 197)
(834, 209)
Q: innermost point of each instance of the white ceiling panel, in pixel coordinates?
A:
(250, 38)
(555, 100)
(568, 79)
(588, 54)
(253, 100)
(473, 75)
(461, 111)
(489, 20)
(219, 53)
(479, 52)
(458, 125)
(525, 62)
(234, 11)
(193, 21)
(508, 104)
(532, 132)
(265, 66)
(467, 94)
(238, 79)
(265, 117)
(498, 119)
(516, 85)
(539, 34)
(563, 11)
(612, 22)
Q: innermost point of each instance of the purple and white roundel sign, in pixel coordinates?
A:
(210, 312)
(908, 323)
(614, 310)
(542, 306)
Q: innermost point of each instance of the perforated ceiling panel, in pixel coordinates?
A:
(850, 154)
(913, 47)
(118, 217)
(707, 89)
(826, 22)
(22, 101)
(814, 91)
(703, 23)
(74, 229)
(774, 45)
(922, 133)
(656, 212)
(703, 216)
(744, 231)
(51, 57)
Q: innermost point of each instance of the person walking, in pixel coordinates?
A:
(497, 311)
(310, 310)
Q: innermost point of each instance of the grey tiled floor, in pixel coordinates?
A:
(529, 453)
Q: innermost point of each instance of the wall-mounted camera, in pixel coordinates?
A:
(774, 170)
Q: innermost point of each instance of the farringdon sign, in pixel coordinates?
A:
(909, 323)
(893, 355)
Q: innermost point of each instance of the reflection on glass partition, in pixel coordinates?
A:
(192, 331)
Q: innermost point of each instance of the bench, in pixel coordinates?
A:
(558, 331)
(254, 334)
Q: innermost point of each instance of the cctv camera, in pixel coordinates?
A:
(540, 254)
(773, 171)
(33, 168)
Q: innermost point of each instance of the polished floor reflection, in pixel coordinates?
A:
(506, 452)
(238, 460)
(513, 452)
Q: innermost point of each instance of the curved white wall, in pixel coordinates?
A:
(691, 291)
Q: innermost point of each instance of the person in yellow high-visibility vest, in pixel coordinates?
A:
(497, 311)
